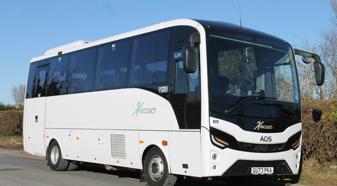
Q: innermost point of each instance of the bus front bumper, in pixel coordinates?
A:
(238, 163)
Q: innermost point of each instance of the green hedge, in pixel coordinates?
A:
(11, 122)
(320, 139)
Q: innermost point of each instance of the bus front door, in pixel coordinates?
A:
(38, 110)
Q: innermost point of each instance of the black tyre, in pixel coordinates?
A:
(156, 169)
(54, 158)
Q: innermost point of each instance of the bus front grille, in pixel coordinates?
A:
(249, 147)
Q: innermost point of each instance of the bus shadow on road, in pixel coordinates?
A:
(135, 174)
(229, 182)
(121, 173)
(10, 169)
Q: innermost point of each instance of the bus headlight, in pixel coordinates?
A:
(294, 141)
(222, 139)
(219, 141)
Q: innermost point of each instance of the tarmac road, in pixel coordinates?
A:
(19, 169)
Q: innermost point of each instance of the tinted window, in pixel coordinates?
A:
(112, 67)
(180, 78)
(186, 100)
(31, 81)
(57, 81)
(40, 81)
(81, 71)
(150, 59)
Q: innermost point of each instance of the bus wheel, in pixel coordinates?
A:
(156, 169)
(54, 158)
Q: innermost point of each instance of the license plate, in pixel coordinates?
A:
(262, 170)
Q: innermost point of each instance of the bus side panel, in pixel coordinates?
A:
(28, 127)
(34, 126)
(185, 153)
(123, 109)
(110, 147)
(116, 117)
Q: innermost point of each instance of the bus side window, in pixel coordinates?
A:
(149, 64)
(186, 99)
(40, 81)
(193, 106)
(160, 67)
(112, 65)
(81, 71)
(57, 81)
(31, 81)
(180, 78)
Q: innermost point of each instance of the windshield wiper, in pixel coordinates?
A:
(233, 107)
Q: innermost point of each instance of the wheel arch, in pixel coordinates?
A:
(59, 144)
(149, 147)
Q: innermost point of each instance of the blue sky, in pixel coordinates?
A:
(28, 28)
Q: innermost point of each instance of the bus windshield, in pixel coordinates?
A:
(240, 69)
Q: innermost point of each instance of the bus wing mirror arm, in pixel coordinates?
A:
(319, 68)
(307, 57)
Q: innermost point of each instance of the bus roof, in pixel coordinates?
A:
(78, 45)
(207, 25)
(242, 33)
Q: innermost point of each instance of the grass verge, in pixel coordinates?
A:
(11, 142)
(317, 174)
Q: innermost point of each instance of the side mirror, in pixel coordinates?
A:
(308, 57)
(191, 59)
(316, 115)
(191, 53)
(319, 69)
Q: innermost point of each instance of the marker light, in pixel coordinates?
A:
(214, 156)
(164, 142)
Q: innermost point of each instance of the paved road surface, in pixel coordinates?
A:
(20, 169)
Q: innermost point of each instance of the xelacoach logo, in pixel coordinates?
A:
(261, 125)
(141, 109)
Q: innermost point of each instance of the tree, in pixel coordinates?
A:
(4, 107)
(328, 53)
(327, 49)
(334, 8)
(18, 94)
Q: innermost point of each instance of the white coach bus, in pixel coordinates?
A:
(181, 98)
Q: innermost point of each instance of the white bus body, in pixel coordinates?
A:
(118, 126)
